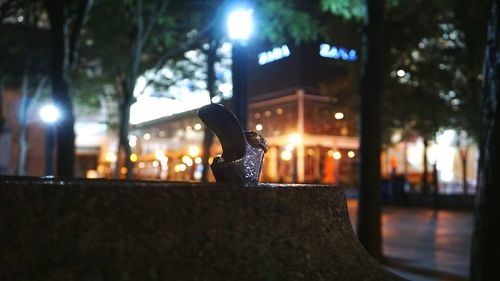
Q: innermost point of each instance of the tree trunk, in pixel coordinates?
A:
(463, 158)
(485, 251)
(65, 136)
(23, 126)
(124, 150)
(209, 135)
(425, 174)
(2, 117)
(369, 210)
(61, 53)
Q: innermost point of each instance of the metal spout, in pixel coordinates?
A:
(243, 152)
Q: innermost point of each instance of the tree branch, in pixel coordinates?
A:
(152, 20)
(81, 16)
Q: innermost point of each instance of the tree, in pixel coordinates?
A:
(370, 90)
(127, 43)
(66, 22)
(485, 243)
(440, 62)
(192, 24)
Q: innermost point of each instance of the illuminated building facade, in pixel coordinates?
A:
(309, 139)
(168, 147)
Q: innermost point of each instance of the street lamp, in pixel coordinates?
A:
(49, 114)
(239, 29)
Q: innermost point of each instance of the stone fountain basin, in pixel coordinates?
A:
(57, 229)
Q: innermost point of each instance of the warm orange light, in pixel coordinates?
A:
(187, 160)
(159, 155)
(180, 168)
(110, 157)
(193, 151)
(295, 139)
(286, 155)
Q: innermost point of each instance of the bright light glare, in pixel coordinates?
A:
(240, 24)
(337, 155)
(133, 157)
(339, 115)
(258, 127)
(159, 154)
(351, 154)
(197, 160)
(187, 160)
(110, 157)
(286, 155)
(132, 140)
(193, 151)
(49, 113)
(401, 73)
(180, 168)
(295, 139)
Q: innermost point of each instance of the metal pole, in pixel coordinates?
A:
(49, 149)
(240, 88)
(294, 164)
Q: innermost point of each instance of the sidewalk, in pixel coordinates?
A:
(421, 244)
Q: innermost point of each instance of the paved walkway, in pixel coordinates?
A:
(421, 244)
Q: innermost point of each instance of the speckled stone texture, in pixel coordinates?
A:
(117, 230)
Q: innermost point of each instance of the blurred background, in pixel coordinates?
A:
(111, 88)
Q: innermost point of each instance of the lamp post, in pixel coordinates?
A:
(239, 27)
(295, 140)
(336, 157)
(49, 114)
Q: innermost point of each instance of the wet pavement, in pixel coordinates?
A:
(421, 244)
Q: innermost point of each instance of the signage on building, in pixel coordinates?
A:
(325, 50)
(274, 54)
(328, 51)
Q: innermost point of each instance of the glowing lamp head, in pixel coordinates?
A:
(240, 24)
(50, 113)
